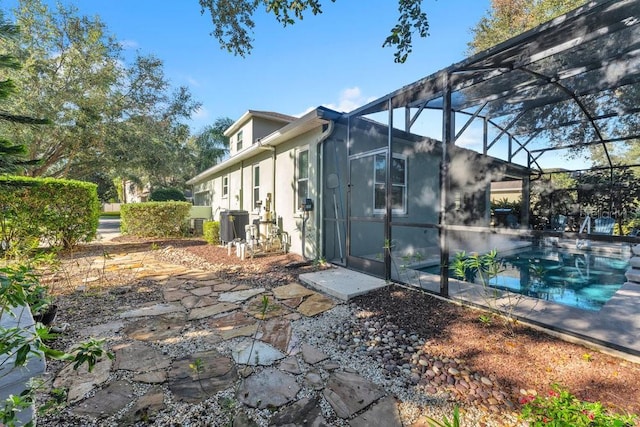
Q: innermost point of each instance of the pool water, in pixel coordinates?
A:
(582, 280)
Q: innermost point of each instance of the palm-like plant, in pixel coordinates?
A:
(211, 144)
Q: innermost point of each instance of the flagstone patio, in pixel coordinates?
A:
(240, 346)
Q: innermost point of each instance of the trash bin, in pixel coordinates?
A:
(232, 225)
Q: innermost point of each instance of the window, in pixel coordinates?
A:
(225, 186)
(303, 176)
(202, 198)
(256, 186)
(398, 184)
(239, 141)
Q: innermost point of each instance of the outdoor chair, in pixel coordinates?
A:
(603, 225)
(558, 223)
(512, 221)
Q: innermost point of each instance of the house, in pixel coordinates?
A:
(321, 179)
(368, 188)
(510, 191)
(271, 171)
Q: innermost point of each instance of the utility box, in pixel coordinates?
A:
(232, 225)
(198, 226)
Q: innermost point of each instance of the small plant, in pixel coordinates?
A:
(198, 368)
(211, 232)
(57, 400)
(484, 268)
(485, 319)
(587, 357)
(319, 262)
(559, 408)
(228, 406)
(155, 246)
(454, 422)
(264, 308)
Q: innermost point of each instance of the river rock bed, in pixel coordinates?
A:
(404, 355)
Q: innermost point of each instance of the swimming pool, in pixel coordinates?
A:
(583, 280)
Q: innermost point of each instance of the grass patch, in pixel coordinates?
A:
(109, 214)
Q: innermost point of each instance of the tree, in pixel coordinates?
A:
(12, 156)
(108, 117)
(508, 18)
(552, 194)
(211, 145)
(149, 139)
(69, 68)
(233, 22)
(609, 193)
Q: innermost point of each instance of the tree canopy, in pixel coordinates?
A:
(12, 156)
(233, 22)
(106, 116)
(508, 18)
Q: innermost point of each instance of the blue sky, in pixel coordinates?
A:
(335, 59)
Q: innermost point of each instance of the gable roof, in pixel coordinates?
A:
(269, 115)
(313, 119)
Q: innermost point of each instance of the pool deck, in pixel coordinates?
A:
(615, 329)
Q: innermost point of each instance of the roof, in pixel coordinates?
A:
(270, 115)
(573, 81)
(313, 119)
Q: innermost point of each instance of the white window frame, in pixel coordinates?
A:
(397, 211)
(225, 186)
(239, 140)
(300, 179)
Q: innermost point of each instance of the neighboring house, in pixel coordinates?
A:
(133, 193)
(506, 190)
(277, 162)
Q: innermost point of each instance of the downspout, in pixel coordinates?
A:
(273, 171)
(241, 194)
(320, 187)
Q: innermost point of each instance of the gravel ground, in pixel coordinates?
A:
(405, 340)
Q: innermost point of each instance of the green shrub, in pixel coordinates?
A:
(560, 408)
(166, 195)
(20, 287)
(155, 219)
(211, 231)
(59, 212)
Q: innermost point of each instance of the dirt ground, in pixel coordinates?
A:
(519, 357)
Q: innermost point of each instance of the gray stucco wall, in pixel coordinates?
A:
(367, 228)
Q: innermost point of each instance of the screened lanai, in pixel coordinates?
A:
(417, 183)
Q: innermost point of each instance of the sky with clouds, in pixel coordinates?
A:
(334, 59)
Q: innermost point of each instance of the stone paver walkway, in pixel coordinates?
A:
(207, 335)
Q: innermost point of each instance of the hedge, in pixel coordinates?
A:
(211, 232)
(59, 212)
(166, 195)
(155, 219)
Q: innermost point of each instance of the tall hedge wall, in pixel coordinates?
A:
(155, 219)
(60, 212)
